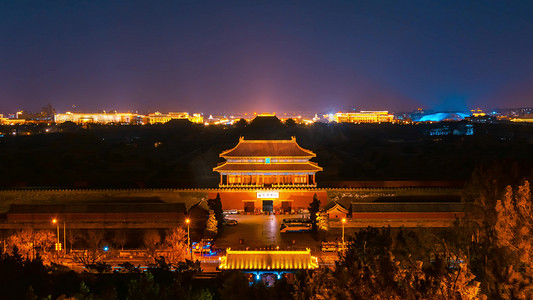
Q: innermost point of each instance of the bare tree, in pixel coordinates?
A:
(73, 236)
(120, 238)
(176, 241)
(95, 238)
(151, 238)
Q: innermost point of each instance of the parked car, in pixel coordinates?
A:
(295, 227)
(231, 222)
(231, 212)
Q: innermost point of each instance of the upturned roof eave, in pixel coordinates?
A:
(315, 168)
(227, 153)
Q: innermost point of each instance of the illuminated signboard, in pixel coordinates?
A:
(269, 195)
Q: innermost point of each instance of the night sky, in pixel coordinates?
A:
(222, 56)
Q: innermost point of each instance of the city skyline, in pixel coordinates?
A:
(275, 56)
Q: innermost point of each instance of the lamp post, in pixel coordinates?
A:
(55, 221)
(188, 221)
(64, 237)
(343, 221)
(57, 244)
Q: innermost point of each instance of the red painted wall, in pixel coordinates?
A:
(407, 215)
(299, 199)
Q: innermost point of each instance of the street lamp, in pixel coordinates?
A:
(188, 221)
(57, 244)
(343, 221)
(64, 234)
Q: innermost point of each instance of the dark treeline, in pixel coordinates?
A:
(180, 154)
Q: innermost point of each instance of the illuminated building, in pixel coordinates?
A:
(268, 265)
(363, 117)
(6, 121)
(443, 116)
(477, 113)
(518, 120)
(267, 260)
(98, 118)
(335, 210)
(267, 176)
(267, 163)
(218, 120)
(159, 118)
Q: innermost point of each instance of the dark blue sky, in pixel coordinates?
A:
(215, 56)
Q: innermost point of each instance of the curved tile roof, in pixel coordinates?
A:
(275, 167)
(267, 148)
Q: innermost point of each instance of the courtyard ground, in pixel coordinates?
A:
(260, 231)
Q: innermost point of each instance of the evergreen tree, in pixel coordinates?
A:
(211, 225)
(314, 208)
(322, 221)
(216, 206)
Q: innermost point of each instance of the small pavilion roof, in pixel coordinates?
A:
(274, 167)
(267, 148)
(333, 206)
(268, 260)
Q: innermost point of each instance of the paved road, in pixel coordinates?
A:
(259, 231)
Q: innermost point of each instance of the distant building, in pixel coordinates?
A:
(107, 215)
(159, 118)
(477, 113)
(364, 117)
(98, 118)
(458, 129)
(7, 121)
(519, 120)
(443, 116)
(218, 120)
(335, 210)
(267, 163)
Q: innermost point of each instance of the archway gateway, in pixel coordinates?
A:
(268, 205)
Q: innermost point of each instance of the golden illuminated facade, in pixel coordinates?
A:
(98, 118)
(159, 118)
(6, 121)
(267, 163)
(364, 117)
(267, 260)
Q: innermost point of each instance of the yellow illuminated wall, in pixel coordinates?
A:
(364, 117)
(268, 260)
